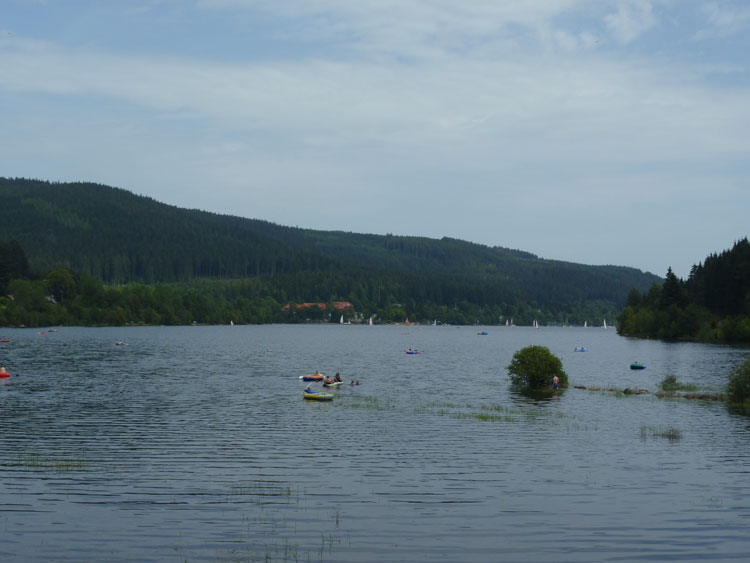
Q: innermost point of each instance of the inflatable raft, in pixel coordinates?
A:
(317, 396)
(312, 377)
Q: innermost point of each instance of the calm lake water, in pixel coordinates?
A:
(194, 444)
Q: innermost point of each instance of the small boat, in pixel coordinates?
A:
(412, 352)
(483, 333)
(333, 384)
(580, 349)
(637, 365)
(317, 396)
(313, 377)
(5, 339)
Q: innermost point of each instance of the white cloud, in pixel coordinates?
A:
(724, 20)
(632, 19)
(422, 113)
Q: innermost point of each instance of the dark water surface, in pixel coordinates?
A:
(194, 444)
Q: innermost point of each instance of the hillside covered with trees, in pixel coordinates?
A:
(713, 304)
(116, 244)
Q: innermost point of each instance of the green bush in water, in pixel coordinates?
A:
(534, 367)
(738, 388)
(670, 383)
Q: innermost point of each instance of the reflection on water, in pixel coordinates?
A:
(194, 444)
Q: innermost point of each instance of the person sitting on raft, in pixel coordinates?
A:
(328, 380)
(337, 378)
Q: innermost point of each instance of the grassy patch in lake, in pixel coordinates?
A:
(670, 432)
(372, 403)
(281, 533)
(267, 491)
(670, 383)
(484, 413)
(40, 463)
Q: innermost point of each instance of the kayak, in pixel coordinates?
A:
(318, 396)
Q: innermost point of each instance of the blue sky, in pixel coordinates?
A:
(593, 131)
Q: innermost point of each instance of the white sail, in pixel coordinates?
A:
(341, 320)
(370, 321)
(605, 324)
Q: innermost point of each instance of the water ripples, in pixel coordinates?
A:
(195, 444)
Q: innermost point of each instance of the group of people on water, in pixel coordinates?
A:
(328, 380)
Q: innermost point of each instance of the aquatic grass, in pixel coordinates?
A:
(670, 383)
(670, 433)
(38, 463)
(436, 404)
(272, 538)
(485, 417)
(691, 396)
(616, 392)
(262, 489)
(373, 403)
(486, 413)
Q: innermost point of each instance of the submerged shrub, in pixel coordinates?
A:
(534, 367)
(738, 388)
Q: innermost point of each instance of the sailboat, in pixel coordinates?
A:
(341, 320)
(535, 324)
(434, 322)
(407, 323)
(605, 324)
(585, 324)
(370, 321)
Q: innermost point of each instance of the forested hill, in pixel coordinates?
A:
(119, 237)
(713, 304)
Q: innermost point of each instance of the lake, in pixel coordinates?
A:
(194, 444)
